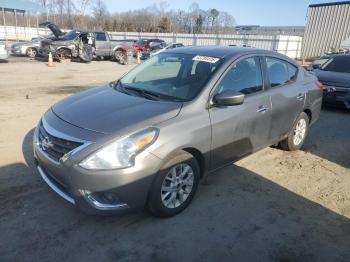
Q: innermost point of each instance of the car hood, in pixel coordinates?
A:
(334, 78)
(106, 110)
(53, 28)
(21, 44)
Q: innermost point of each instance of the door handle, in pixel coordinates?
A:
(300, 97)
(262, 109)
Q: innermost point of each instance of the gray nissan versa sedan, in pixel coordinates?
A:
(147, 139)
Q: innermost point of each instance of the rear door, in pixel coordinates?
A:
(241, 129)
(287, 94)
(102, 44)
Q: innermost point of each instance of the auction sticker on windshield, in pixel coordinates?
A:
(208, 59)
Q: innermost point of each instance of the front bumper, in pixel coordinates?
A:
(44, 51)
(337, 96)
(88, 189)
(3, 54)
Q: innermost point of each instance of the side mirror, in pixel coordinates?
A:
(228, 98)
(316, 66)
(113, 83)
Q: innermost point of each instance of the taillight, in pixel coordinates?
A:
(319, 85)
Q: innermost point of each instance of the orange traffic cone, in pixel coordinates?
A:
(50, 61)
(138, 57)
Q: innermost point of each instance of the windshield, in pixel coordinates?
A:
(339, 64)
(181, 76)
(70, 35)
(35, 39)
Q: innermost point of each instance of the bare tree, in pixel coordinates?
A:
(94, 14)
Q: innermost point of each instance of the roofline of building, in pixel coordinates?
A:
(330, 4)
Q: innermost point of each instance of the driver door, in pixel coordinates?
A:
(241, 129)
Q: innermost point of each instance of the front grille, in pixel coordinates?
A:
(53, 146)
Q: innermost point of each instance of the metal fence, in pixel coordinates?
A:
(327, 26)
(285, 44)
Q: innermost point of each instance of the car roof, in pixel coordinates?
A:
(342, 55)
(219, 51)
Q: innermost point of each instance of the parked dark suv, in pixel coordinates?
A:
(335, 75)
(148, 138)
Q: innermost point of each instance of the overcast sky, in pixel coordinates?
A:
(246, 12)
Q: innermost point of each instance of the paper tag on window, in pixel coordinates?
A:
(208, 59)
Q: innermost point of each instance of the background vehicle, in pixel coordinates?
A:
(82, 44)
(324, 58)
(3, 52)
(29, 48)
(146, 44)
(321, 60)
(335, 76)
(155, 50)
(148, 138)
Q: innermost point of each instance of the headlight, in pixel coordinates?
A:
(121, 153)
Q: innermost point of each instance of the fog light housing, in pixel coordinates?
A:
(104, 200)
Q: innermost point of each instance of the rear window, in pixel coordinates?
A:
(339, 64)
(140, 42)
(280, 72)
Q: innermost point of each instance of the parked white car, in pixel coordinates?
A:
(3, 52)
(168, 46)
(28, 48)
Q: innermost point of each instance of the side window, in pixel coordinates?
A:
(101, 37)
(292, 72)
(244, 76)
(280, 72)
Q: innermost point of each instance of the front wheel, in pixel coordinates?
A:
(297, 135)
(31, 52)
(63, 54)
(174, 186)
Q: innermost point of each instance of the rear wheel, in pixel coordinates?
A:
(174, 186)
(120, 57)
(297, 135)
(31, 52)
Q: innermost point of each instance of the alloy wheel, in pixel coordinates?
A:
(299, 132)
(177, 185)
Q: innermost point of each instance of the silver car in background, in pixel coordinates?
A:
(147, 139)
(28, 48)
(3, 52)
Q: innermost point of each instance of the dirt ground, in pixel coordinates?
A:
(270, 206)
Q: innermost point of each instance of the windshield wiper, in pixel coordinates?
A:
(130, 90)
(143, 93)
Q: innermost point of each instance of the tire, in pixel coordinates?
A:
(63, 54)
(86, 54)
(119, 56)
(179, 192)
(31, 52)
(297, 135)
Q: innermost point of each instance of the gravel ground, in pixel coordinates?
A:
(270, 206)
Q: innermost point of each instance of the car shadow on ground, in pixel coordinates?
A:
(66, 90)
(236, 215)
(329, 137)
